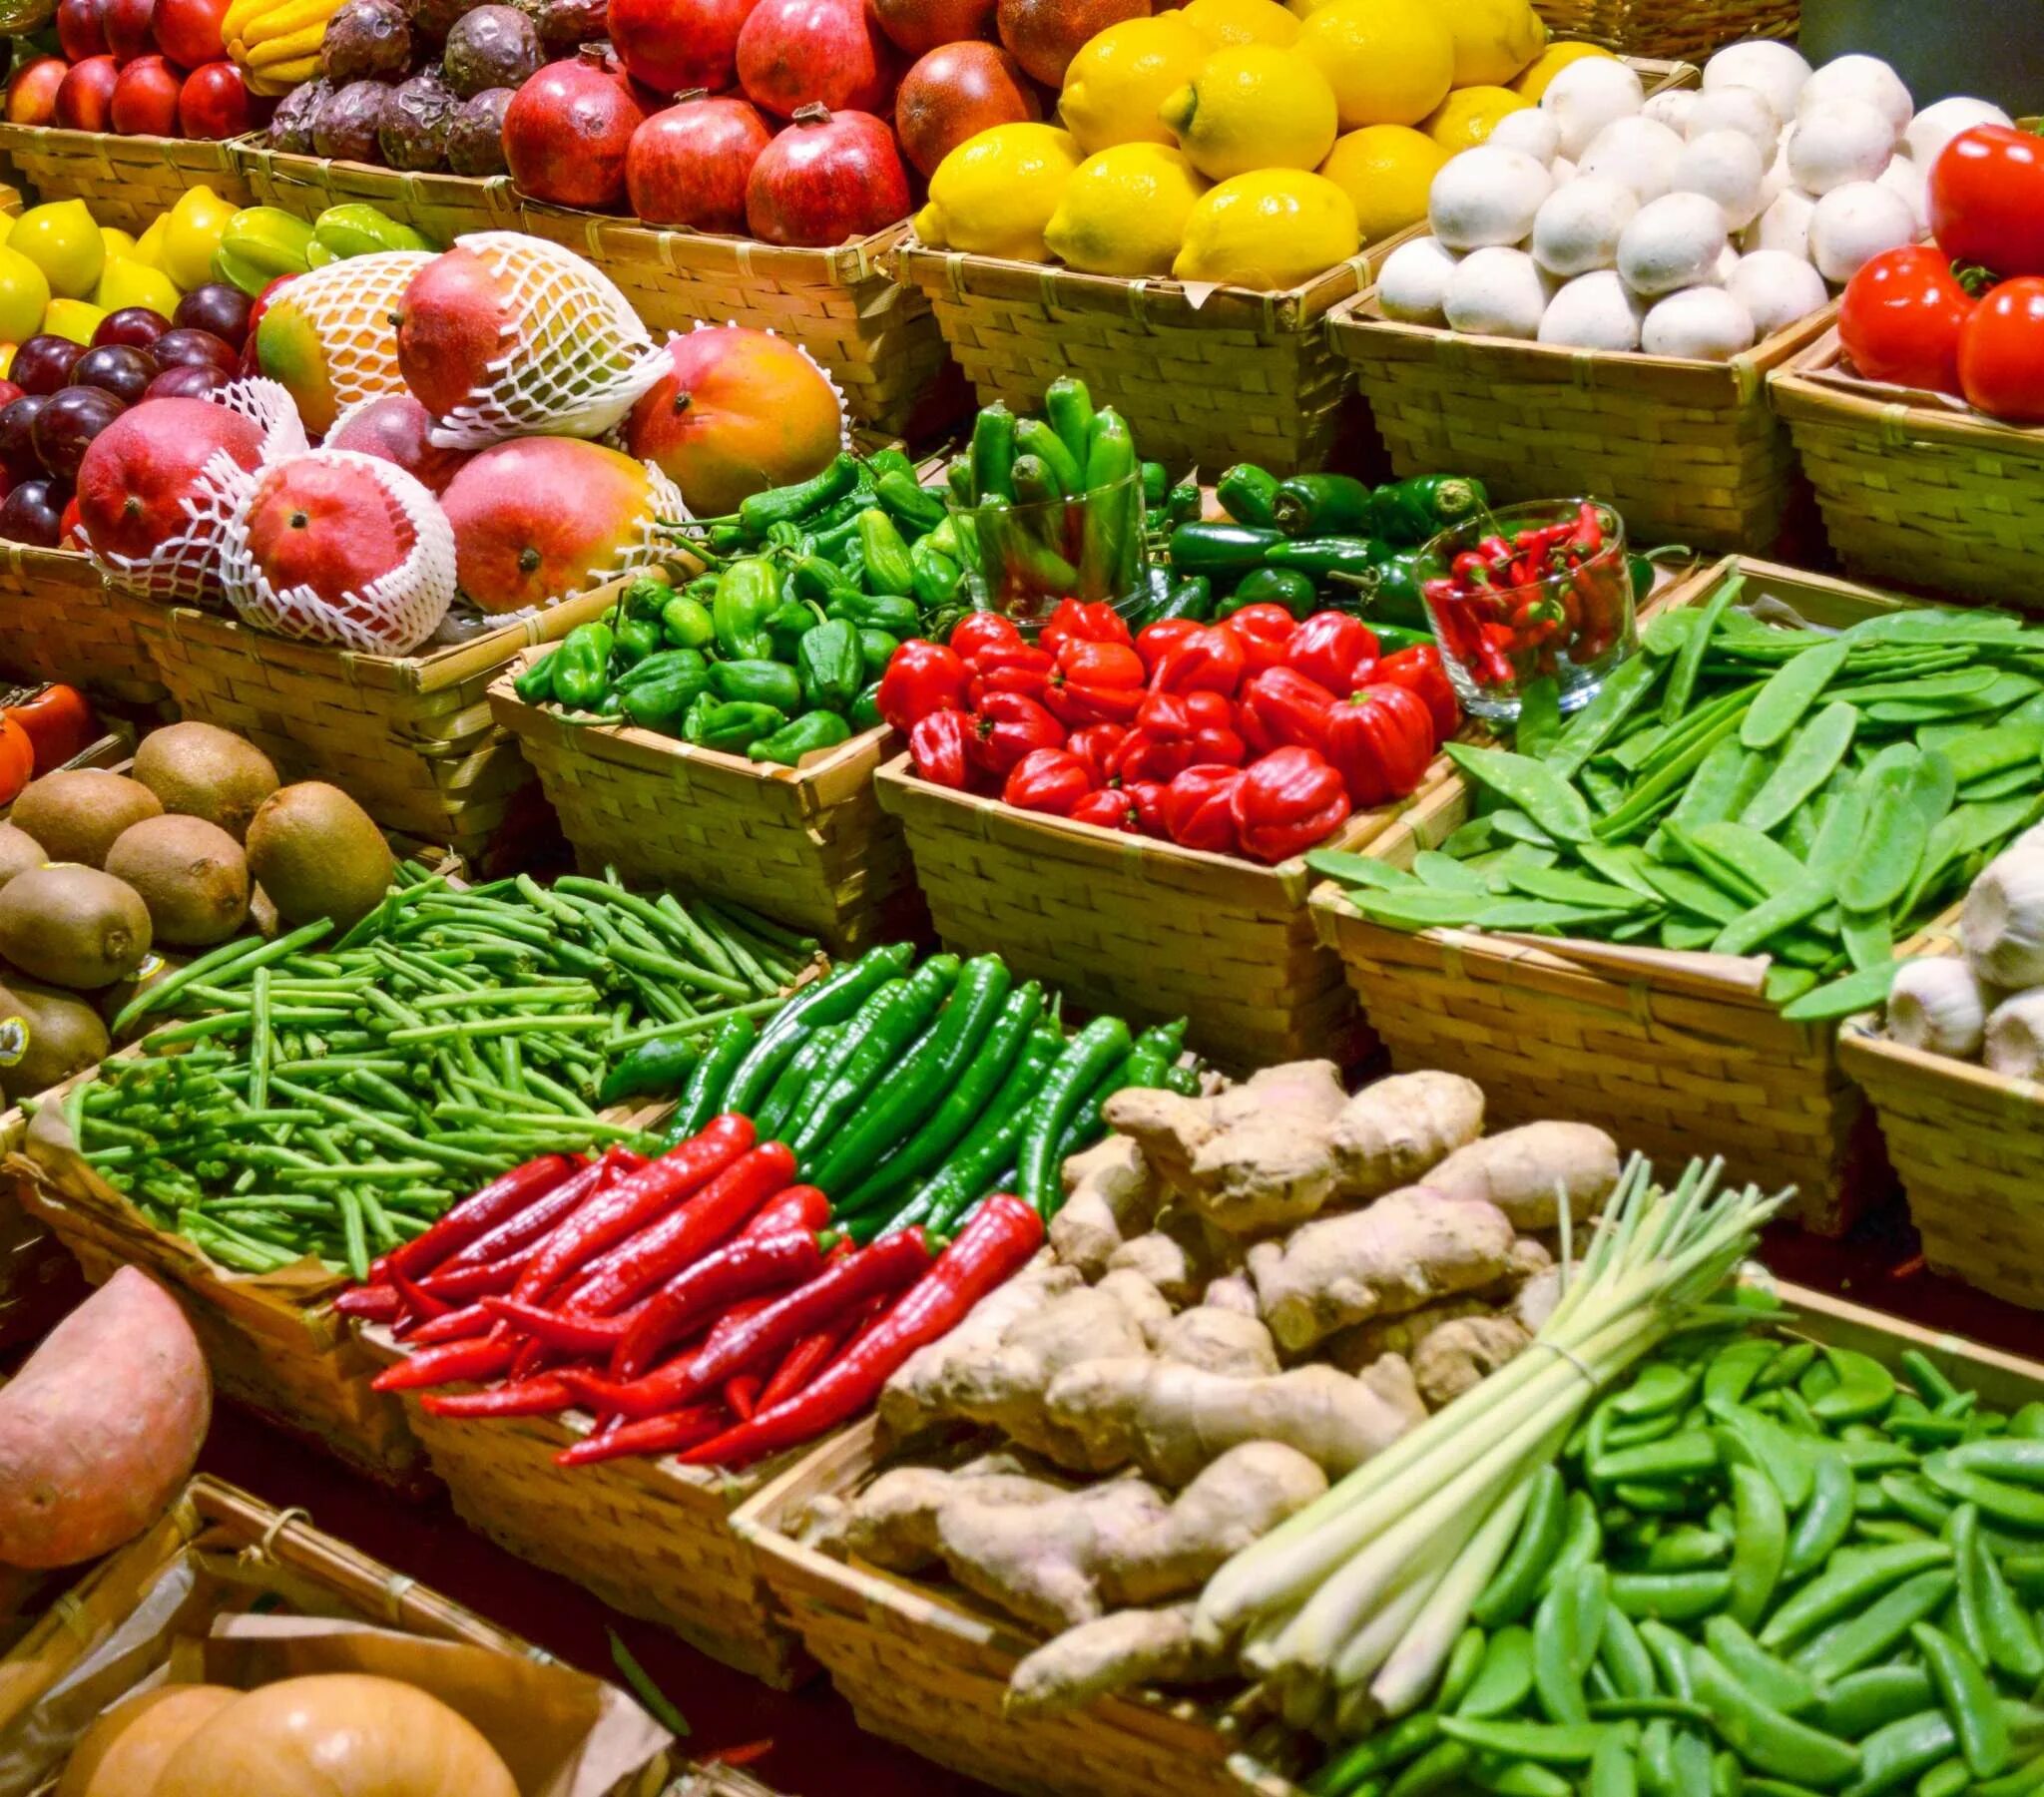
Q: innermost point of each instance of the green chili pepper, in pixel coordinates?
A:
(1284, 587)
(582, 669)
(730, 726)
(1359, 559)
(1412, 512)
(1322, 505)
(1110, 461)
(1036, 437)
(536, 685)
(915, 509)
(886, 556)
(1069, 407)
(787, 745)
(1035, 483)
(1249, 494)
(935, 576)
(865, 710)
(1222, 551)
(958, 477)
(790, 624)
(877, 612)
(993, 454)
(747, 593)
(799, 500)
(831, 667)
(686, 623)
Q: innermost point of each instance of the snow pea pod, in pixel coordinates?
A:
(1808, 761)
(1596, 724)
(1789, 691)
(1533, 786)
(1725, 780)
(1893, 844)
(1689, 661)
(1860, 991)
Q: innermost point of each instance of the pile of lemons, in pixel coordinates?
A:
(1242, 142)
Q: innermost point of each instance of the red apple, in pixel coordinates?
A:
(955, 92)
(86, 100)
(920, 26)
(689, 164)
(188, 31)
(215, 103)
(81, 28)
(32, 94)
(146, 99)
(127, 25)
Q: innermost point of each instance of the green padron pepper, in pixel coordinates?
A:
(800, 500)
(536, 685)
(877, 646)
(886, 556)
(917, 511)
(831, 665)
(785, 534)
(583, 674)
(792, 620)
(889, 460)
(877, 612)
(727, 540)
(787, 745)
(935, 576)
(645, 594)
(663, 702)
(665, 665)
(758, 682)
(945, 540)
(747, 593)
(686, 623)
(730, 726)
(817, 577)
(865, 710)
(638, 637)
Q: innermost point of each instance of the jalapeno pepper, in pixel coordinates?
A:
(1286, 586)
(913, 509)
(1188, 598)
(1408, 512)
(686, 623)
(582, 672)
(1322, 505)
(1397, 599)
(758, 682)
(747, 593)
(787, 745)
(1355, 558)
(1249, 494)
(1184, 503)
(732, 726)
(536, 685)
(831, 667)
(800, 500)
(886, 556)
(1222, 551)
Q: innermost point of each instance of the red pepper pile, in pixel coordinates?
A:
(1254, 736)
(1516, 609)
(695, 1304)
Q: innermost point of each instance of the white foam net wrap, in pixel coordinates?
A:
(184, 569)
(578, 356)
(349, 305)
(649, 544)
(392, 614)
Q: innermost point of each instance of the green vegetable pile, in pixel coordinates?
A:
(1763, 1566)
(1747, 787)
(334, 1098)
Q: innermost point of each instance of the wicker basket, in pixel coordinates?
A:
(410, 736)
(1676, 1053)
(876, 335)
(653, 1538)
(441, 207)
(1689, 29)
(60, 621)
(1916, 492)
(808, 846)
(126, 181)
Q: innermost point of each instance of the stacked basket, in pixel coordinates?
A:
(1689, 29)
(126, 181)
(60, 621)
(441, 207)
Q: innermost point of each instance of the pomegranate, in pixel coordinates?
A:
(674, 44)
(140, 469)
(689, 164)
(396, 428)
(955, 92)
(920, 26)
(569, 129)
(829, 178)
(797, 53)
(1044, 35)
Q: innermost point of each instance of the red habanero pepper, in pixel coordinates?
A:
(741, 1395)
(1208, 659)
(1418, 670)
(921, 678)
(1148, 754)
(536, 1223)
(1051, 781)
(941, 747)
(1264, 631)
(1008, 667)
(1153, 639)
(1287, 802)
(375, 1304)
(1380, 742)
(540, 1397)
(636, 1201)
(500, 1200)
(1198, 808)
(1147, 797)
(1332, 650)
(1215, 737)
(654, 1435)
(982, 629)
(998, 1240)
(1095, 683)
(1097, 745)
(1109, 809)
(744, 1268)
(1078, 621)
(1280, 709)
(1006, 727)
(454, 1363)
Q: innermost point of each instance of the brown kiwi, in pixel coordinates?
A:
(76, 812)
(73, 926)
(46, 1035)
(191, 875)
(317, 854)
(19, 851)
(201, 770)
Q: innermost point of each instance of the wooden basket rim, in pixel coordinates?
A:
(1863, 1043)
(33, 558)
(406, 187)
(181, 153)
(1813, 386)
(683, 250)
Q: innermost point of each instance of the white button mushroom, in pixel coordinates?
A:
(1744, 110)
(1785, 225)
(1637, 152)
(1413, 281)
(1587, 94)
(1727, 166)
(1670, 243)
(1937, 124)
(1705, 323)
(1905, 179)
(1770, 68)
(1845, 141)
(1497, 292)
(1777, 289)
(1852, 224)
(1594, 311)
(1486, 197)
(1672, 106)
(1862, 78)
(1578, 225)
(1561, 170)
(1529, 130)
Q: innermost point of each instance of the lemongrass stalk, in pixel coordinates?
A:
(1381, 1634)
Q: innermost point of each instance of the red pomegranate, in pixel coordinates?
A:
(955, 92)
(569, 128)
(797, 53)
(829, 178)
(1044, 35)
(674, 44)
(919, 26)
(689, 164)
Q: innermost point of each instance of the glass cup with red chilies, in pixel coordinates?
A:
(1540, 591)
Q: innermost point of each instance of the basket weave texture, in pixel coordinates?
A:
(1689, 29)
(125, 182)
(60, 621)
(442, 207)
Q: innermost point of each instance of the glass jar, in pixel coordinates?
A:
(1022, 559)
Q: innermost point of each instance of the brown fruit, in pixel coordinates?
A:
(76, 812)
(191, 874)
(317, 854)
(73, 926)
(19, 851)
(201, 770)
(46, 1035)
(1044, 35)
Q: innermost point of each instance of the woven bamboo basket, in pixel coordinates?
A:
(125, 182)
(653, 1538)
(411, 737)
(441, 207)
(1689, 29)
(876, 335)
(236, 1555)
(808, 846)
(1676, 1053)
(60, 621)
(1916, 491)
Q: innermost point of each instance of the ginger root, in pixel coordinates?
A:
(1463, 1352)
(1219, 1341)
(913, 1399)
(1110, 1196)
(1162, 1259)
(1110, 1654)
(892, 1523)
(1392, 1133)
(1525, 1171)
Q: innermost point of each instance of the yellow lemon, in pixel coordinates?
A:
(1389, 61)
(1252, 107)
(995, 193)
(1469, 114)
(1271, 229)
(115, 241)
(73, 319)
(1307, 8)
(191, 232)
(1115, 84)
(126, 282)
(1124, 209)
(148, 247)
(1385, 170)
(7, 359)
(24, 296)
(6, 226)
(1550, 63)
(1243, 22)
(1494, 40)
(60, 237)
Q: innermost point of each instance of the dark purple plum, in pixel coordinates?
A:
(116, 368)
(216, 308)
(136, 326)
(33, 513)
(188, 345)
(43, 362)
(66, 427)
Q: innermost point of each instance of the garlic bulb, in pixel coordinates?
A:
(2015, 1036)
(2002, 924)
(1940, 1007)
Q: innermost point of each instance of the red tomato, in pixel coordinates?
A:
(1987, 199)
(2001, 353)
(1900, 319)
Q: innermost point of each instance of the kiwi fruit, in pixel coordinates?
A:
(317, 854)
(45, 1037)
(201, 770)
(76, 812)
(191, 874)
(19, 851)
(73, 926)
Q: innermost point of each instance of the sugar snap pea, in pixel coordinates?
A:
(1669, 1597)
(1860, 1702)
(1860, 1639)
(1613, 1770)
(1765, 1737)
(1506, 1678)
(1512, 1589)
(1551, 1744)
(1759, 1544)
(1968, 1697)
(1825, 1519)
(1774, 1681)
(1845, 1587)
(1903, 1750)
(1791, 691)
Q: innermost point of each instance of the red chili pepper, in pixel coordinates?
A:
(1096, 746)
(1418, 670)
(814, 1351)
(1280, 709)
(799, 1207)
(1109, 809)
(420, 1306)
(1016, 666)
(1076, 620)
(1050, 780)
(1287, 802)
(941, 747)
(568, 1330)
(1006, 727)
(456, 1325)
(1380, 742)
(982, 629)
(1198, 808)
(473, 1282)
(541, 1396)
(378, 1303)
(1153, 639)
(741, 1395)
(1264, 632)
(998, 1242)
(1333, 649)
(1209, 659)
(654, 1435)
(921, 678)
(538, 1220)
(1588, 537)
(741, 1269)
(455, 1363)
(503, 1199)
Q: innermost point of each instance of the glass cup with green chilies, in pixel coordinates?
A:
(1024, 558)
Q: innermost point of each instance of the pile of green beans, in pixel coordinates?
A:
(1763, 1565)
(334, 1098)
